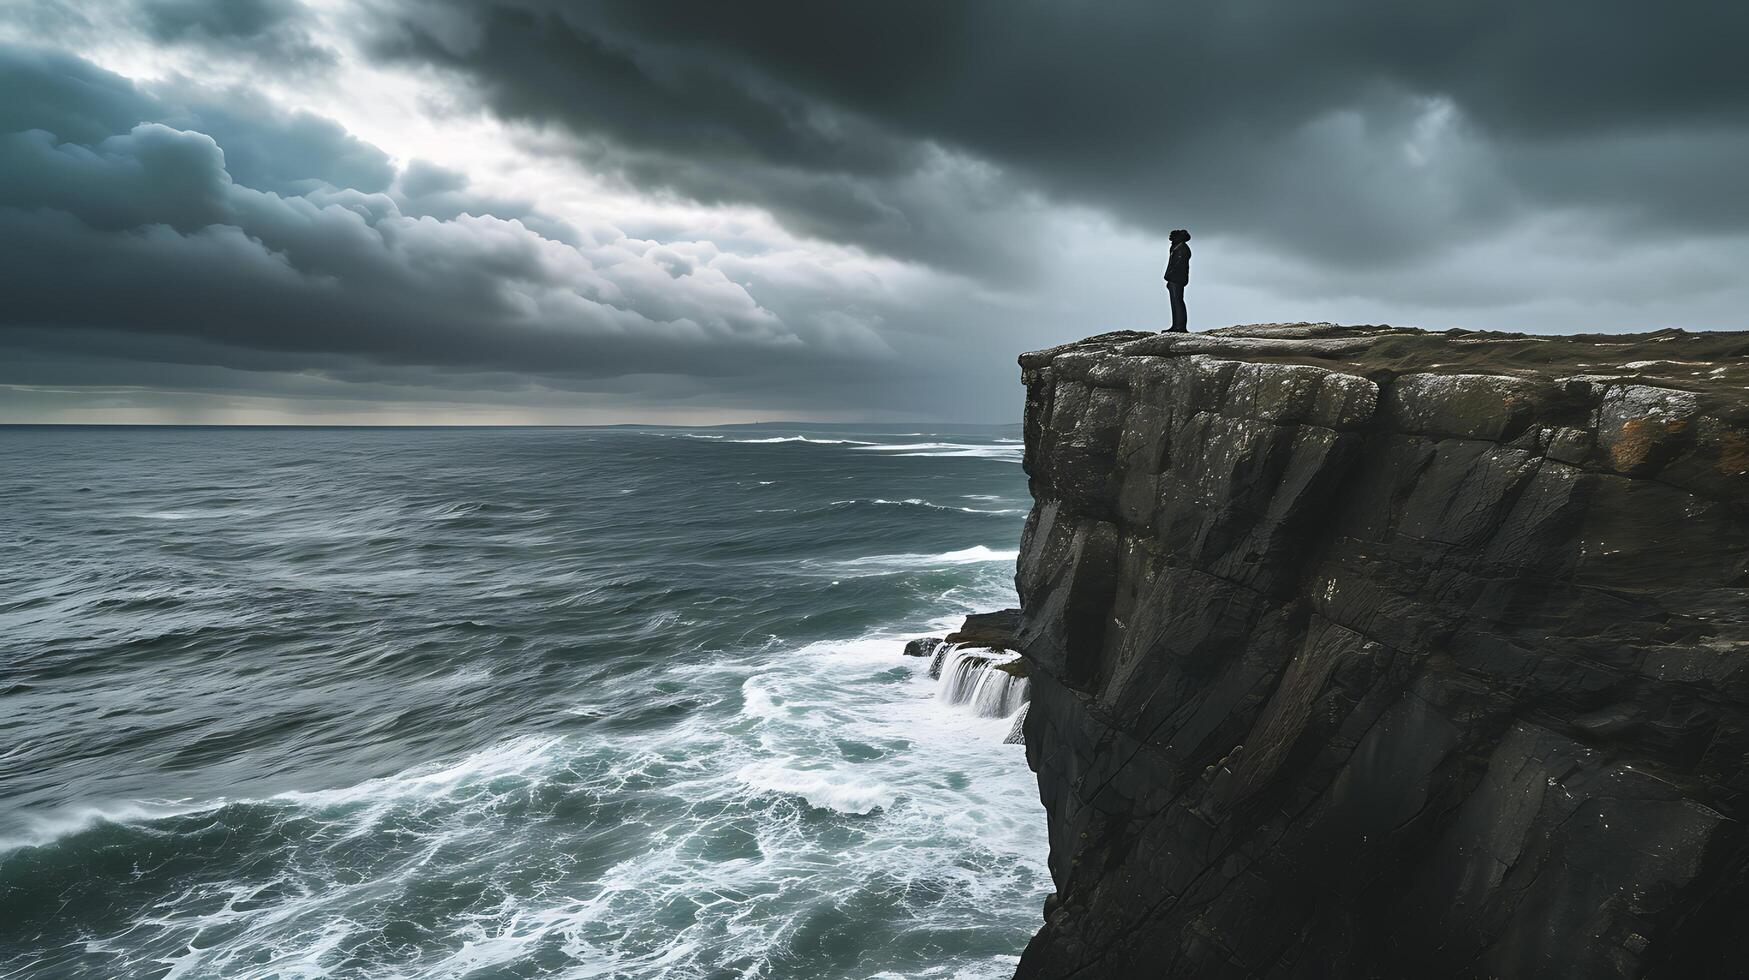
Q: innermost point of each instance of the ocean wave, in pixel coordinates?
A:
(918, 502)
(1007, 453)
(897, 447)
(757, 702)
(514, 757)
(822, 789)
(363, 803)
(995, 968)
(972, 452)
(75, 821)
(964, 556)
(817, 442)
(933, 795)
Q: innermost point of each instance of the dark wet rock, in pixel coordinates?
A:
(923, 646)
(995, 630)
(992, 630)
(1370, 652)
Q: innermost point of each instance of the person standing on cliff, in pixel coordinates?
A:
(1177, 277)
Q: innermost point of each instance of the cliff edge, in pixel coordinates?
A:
(1371, 652)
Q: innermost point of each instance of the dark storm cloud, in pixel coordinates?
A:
(273, 29)
(1354, 132)
(265, 147)
(1486, 164)
(83, 103)
(122, 232)
(233, 20)
(705, 126)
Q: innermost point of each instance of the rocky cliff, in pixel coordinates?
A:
(1366, 652)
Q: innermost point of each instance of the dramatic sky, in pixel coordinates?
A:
(541, 211)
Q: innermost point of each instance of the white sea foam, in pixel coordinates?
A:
(930, 447)
(757, 702)
(1003, 449)
(963, 830)
(826, 790)
(1008, 453)
(517, 756)
(75, 820)
(918, 502)
(829, 729)
(694, 814)
(973, 452)
(964, 556)
(845, 727)
(512, 757)
(818, 442)
(994, 968)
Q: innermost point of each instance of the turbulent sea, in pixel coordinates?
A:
(483, 703)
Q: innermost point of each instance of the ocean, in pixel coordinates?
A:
(482, 703)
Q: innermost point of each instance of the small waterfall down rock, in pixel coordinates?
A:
(974, 677)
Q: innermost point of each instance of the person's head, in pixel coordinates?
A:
(1179, 235)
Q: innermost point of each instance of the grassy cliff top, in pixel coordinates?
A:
(1712, 363)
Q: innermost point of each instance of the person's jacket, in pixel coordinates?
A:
(1178, 264)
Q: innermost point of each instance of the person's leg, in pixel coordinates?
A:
(1179, 317)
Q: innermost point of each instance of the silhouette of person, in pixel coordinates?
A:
(1177, 277)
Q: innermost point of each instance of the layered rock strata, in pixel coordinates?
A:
(1367, 652)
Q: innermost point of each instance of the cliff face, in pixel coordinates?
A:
(1368, 652)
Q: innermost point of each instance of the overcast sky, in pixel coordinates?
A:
(444, 211)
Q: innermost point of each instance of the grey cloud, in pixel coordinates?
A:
(1296, 125)
(424, 189)
(423, 178)
(265, 146)
(701, 125)
(272, 29)
(1483, 164)
(233, 19)
(145, 239)
(83, 102)
(271, 149)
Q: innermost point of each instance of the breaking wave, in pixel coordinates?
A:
(810, 439)
(976, 554)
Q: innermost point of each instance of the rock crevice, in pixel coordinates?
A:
(1375, 652)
